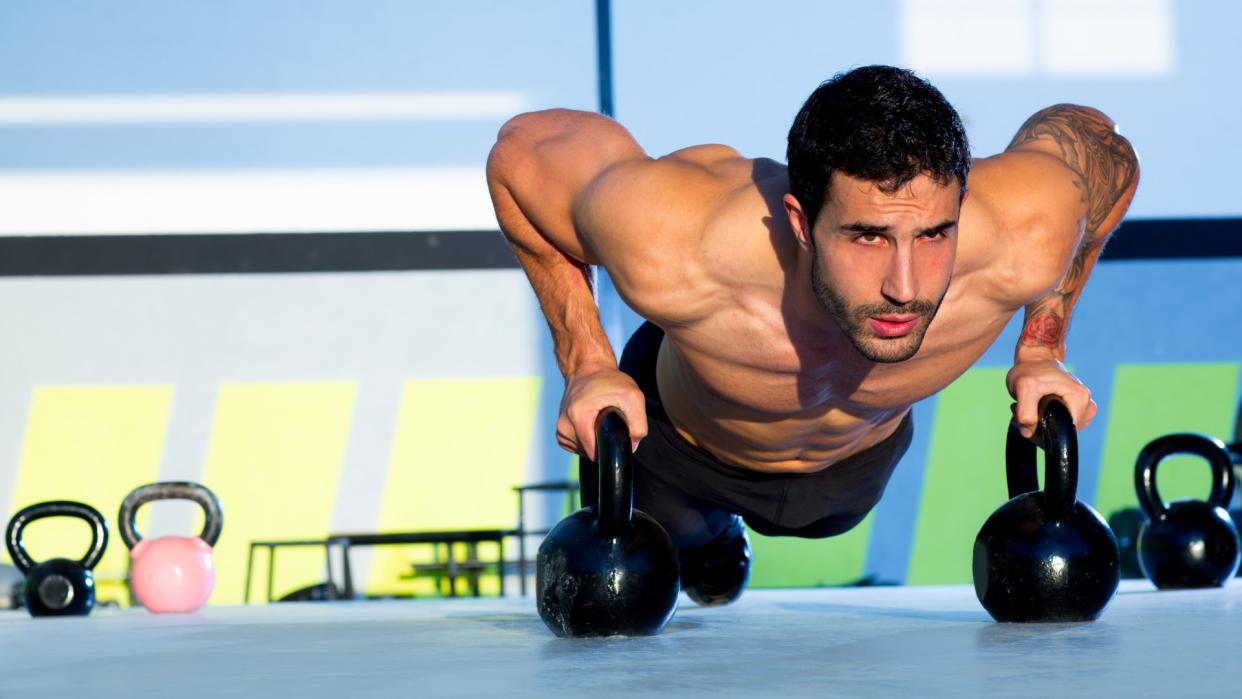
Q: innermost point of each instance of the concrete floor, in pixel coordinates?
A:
(863, 642)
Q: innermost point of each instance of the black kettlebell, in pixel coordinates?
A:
(58, 586)
(1045, 556)
(1235, 453)
(1187, 543)
(608, 569)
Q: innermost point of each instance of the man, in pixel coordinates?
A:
(796, 312)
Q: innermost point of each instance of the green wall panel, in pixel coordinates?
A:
(965, 479)
(792, 562)
(1151, 400)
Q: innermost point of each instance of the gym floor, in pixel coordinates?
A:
(848, 642)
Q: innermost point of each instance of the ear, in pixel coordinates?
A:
(798, 221)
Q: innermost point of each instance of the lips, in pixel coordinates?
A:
(893, 326)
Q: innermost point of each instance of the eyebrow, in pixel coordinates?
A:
(859, 227)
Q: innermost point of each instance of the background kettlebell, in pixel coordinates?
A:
(1187, 543)
(1235, 453)
(171, 573)
(608, 569)
(58, 586)
(1044, 556)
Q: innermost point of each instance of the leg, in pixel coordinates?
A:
(716, 573)
(714, 550)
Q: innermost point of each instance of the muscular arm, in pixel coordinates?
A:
(541, 164)
(1104, 171)
(573, 189)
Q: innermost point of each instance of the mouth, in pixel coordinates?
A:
(893, 325)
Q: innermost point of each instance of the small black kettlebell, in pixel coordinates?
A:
(1187, 543)
(608, 569)
(1045, 556)
(58, 586)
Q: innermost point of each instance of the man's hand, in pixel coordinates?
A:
(1032, 378)
(589, 393)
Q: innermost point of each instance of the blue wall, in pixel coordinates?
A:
(694, 71)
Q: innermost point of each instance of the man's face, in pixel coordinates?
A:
(882, 262)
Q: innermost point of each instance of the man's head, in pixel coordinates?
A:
(878, 161)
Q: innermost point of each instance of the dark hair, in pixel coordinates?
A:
(877, 123)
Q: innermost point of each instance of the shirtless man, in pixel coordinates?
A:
(796, 312)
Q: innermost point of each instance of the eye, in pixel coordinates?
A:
(868, 237)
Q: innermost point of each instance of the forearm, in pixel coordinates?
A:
(1045, 322)
(561, 283)
(1106, 172)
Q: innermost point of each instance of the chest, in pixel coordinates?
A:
(748, 360)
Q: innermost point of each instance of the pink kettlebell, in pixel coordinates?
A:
(172, 573)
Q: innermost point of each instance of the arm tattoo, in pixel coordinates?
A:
(1090, 145)
(1043, 329)
(1105, 168)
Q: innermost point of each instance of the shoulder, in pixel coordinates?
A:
(1028, 191)
(1025, 215)
(568, 146)
(677, 189)
(707, 156)
(645, 220)
(689, 175)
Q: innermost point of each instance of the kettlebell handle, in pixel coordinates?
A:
(1182, 443)
(56, 508)
(1019, 463)
(1060, 439)
(213, 520)
(616, 473)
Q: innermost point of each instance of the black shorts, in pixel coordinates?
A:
(694, 495)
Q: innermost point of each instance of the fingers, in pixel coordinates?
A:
(636, 418)
(1025, 415)
(576, 433)
(1028, 405)
(567, 436)
(635, 414)
(1078, 401)
(1030, 382)
(1089, 415)
(586, 397)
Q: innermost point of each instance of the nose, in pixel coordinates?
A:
(899, 286)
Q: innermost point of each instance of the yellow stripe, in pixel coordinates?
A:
(459, 447)
(275, 463)
(92, 444)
